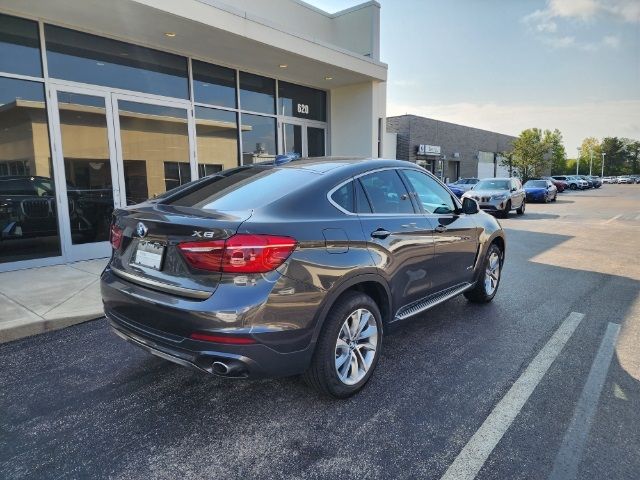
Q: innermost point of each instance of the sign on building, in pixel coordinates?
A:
(428, 150)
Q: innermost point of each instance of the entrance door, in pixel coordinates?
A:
(305, 140)
(86, 170)
(152, 146)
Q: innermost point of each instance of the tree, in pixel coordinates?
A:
(590, 149)
(616, 156)
(532, 153)
(558, 152)
(632, 148)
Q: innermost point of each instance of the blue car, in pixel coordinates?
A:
(456, 190)
(540, 191)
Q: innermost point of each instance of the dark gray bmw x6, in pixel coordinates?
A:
(299, 268)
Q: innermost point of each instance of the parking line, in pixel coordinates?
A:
(567, 461)
(613, 218)
(470, 460)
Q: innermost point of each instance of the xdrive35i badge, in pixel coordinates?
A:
(141, 230)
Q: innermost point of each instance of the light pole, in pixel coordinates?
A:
(591, 161)
(602, 174)
(578, 162)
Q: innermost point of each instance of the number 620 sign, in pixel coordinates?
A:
(302, 108)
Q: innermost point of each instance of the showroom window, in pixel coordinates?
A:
(257, 94)
(80, 57)
(213, 84)
(28, 214)
(217, 140)
(258, 138)
(302, 102)
(19, 46)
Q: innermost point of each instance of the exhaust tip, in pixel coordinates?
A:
(220, 368)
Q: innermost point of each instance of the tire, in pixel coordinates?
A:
(555, 197)
(573, 186)
(520, 211)
(324, 373)
(505, 212)
(481, 292)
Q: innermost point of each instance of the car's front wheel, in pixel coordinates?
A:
(489, 278)
(348, 348)
(523, 206)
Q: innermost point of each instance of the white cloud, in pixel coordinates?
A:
(559, 42)
(612, 41)
(598, 119)
(583, 9)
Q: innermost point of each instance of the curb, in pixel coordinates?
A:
(15, 330)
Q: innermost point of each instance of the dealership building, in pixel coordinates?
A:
(106, 103)
(448, 150)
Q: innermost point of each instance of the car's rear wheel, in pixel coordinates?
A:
(489, 279)
(520, 211)
(348, 348)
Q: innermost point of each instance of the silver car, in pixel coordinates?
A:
(499, 195)
(465, 184)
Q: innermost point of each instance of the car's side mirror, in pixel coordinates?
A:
(469, 206)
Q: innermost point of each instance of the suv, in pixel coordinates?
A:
(575, 182)
(499, 195)
(299, 268)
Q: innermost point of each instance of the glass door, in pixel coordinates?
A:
(86, 170)
(316, 142)
(292, 139)
(304, 139)
(153, 147)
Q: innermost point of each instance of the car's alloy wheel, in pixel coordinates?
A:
(356, 346)
(492, 273)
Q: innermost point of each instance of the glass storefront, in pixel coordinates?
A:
(127, 123)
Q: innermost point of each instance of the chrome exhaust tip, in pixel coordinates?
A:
(220, 368)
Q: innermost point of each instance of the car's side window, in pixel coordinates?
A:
(343, 196)
(433, 197)
(386, 192)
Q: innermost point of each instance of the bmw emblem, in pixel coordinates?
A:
(141, 230)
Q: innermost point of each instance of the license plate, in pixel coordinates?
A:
(149, 254)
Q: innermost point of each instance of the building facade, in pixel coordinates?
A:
(448, 150)
(105, 104)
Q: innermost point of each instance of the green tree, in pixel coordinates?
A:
(590, 150)
(615, 161)
(632, 148)
(532, 153)
(557, 152)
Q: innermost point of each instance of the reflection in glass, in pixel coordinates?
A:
(257, 94)
(19, 46)
(78, 56)
(150, 136)
(213, 84)
(292, 138)
(217, 138)
(302, 102)
(258, 138)
(28, 217)
(315, 142)
(87, 166)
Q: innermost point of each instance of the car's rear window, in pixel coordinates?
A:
(536, 184)
(242, 188)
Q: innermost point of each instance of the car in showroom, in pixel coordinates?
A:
(575, 182)
(499, 195)
(294, 268)
(464, 184)
(540, 191)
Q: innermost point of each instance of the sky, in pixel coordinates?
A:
(508, 65)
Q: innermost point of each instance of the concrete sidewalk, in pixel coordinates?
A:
(48, 298)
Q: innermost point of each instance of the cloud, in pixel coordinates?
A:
(612, 41)
(584, 9)
(577, 121)
(559, 42)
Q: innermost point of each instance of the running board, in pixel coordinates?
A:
(431, 301)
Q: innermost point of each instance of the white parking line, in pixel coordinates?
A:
(470, 460)
(613, 218)
(568, 459)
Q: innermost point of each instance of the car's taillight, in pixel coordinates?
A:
(242, 253)
(115, 236)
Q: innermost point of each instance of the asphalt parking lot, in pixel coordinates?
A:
(542, 383)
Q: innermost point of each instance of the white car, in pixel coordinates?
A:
(624, 179)
(465, 184)
(574, 182)
(609, 180)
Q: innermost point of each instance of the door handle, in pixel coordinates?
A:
(380, 233)
(441, 229)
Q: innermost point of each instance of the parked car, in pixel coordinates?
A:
(595, 181)
(465, 184)
(300, 268)
(561, 185)
(575, 183)
(540, 191)
(458, 192)
(625, 179)
(609, 180)
(499, 195)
